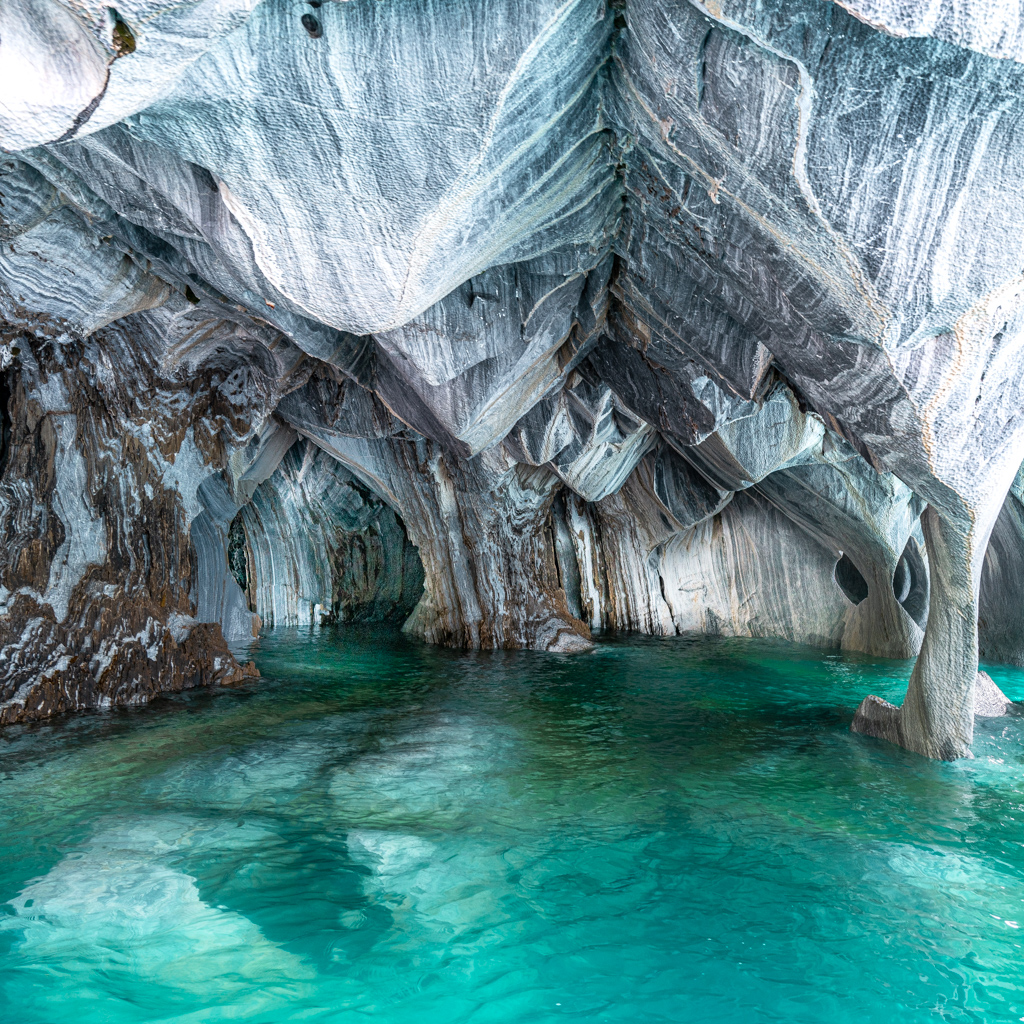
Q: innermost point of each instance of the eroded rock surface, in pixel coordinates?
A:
(647, 315)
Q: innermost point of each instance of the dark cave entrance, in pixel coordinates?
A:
(850, 580)
(315, 546)
(6, 393)
(910, 583)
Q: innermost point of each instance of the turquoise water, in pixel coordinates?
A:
(680, 830)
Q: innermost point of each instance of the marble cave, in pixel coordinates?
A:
(511, 511)
(517, 323)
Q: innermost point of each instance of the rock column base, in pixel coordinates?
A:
(880, 719)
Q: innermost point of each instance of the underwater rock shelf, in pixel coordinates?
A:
(519, 320)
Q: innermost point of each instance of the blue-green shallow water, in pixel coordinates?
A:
(678, 830)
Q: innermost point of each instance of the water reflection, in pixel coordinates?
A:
(656, 831)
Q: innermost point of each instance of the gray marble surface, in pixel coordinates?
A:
(653, 315)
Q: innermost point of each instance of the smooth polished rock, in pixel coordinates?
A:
(882, 720)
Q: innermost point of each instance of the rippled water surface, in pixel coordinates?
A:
(680, 830)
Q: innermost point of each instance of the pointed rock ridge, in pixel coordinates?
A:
(989, 700)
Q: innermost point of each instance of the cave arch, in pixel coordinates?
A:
(314, 546)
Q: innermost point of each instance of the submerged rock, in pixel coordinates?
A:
(647, 315)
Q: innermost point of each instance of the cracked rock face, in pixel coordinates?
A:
(514, 320)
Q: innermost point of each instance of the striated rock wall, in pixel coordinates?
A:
(646, 315)
(95, 602)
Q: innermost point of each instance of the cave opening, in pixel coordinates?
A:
(122, 39)
(237, 556)
(5, 418)
(315, 546)
(850, 580)
(910, 582)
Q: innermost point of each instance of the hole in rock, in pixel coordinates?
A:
(910, 583)
(121, 37)
(850, 580)
(901, 581)
(5, 418)
(191, 296)
(236, 553)
(312, 26)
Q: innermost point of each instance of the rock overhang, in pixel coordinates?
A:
(571, 236)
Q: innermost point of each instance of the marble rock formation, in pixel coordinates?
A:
(520, 320)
